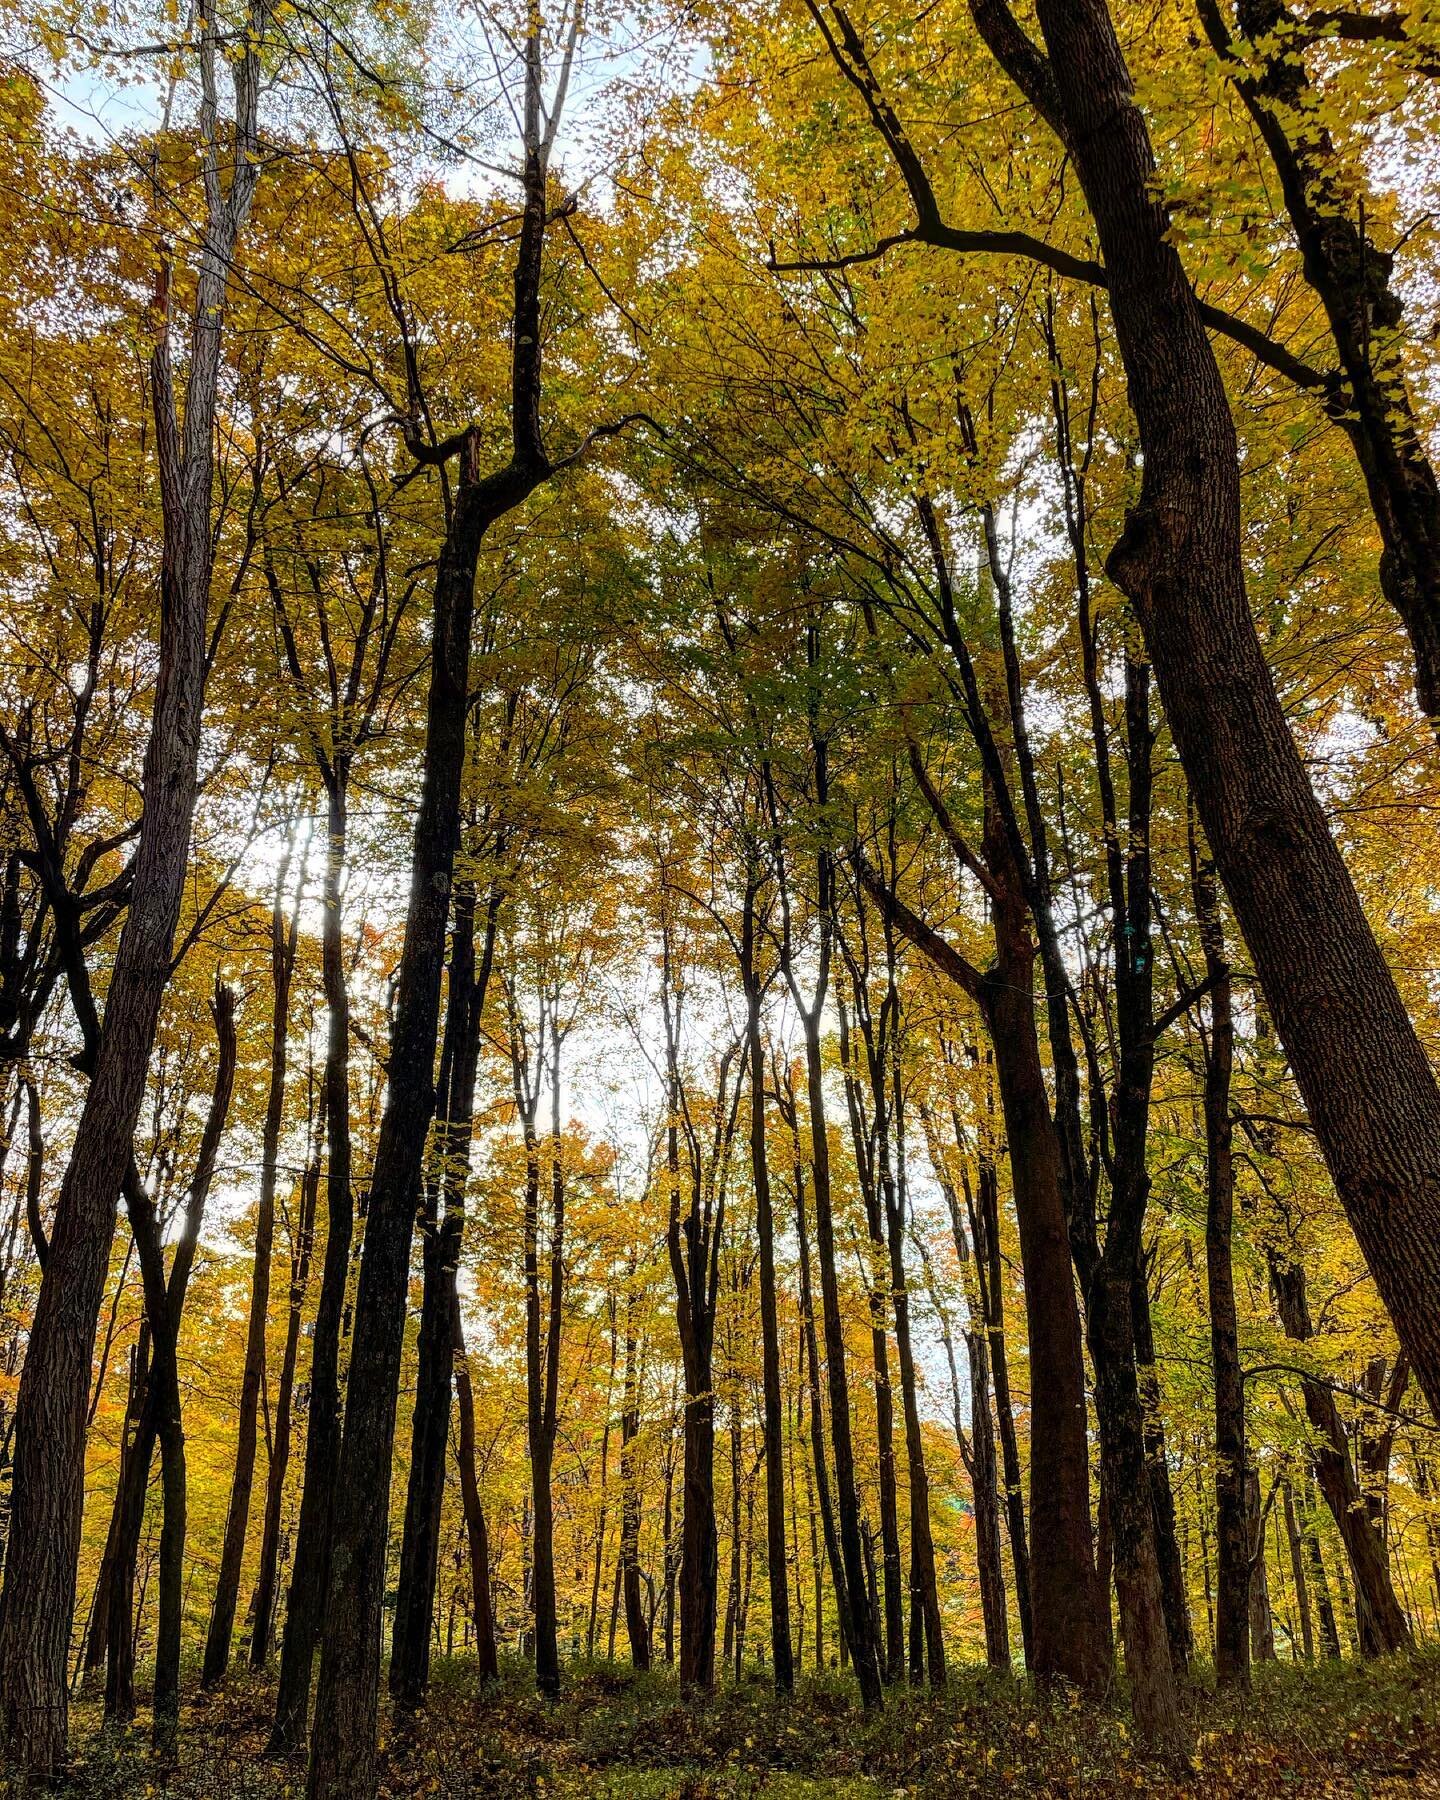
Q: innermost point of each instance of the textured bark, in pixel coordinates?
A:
(160, 1418)
(1362, 1071)
(37, 1603)
(1232, 1548)
(441, 1237)
(342, 1753)
(283, 941)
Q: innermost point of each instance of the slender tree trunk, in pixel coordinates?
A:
(1065, 1598)
(311, 1569)
(476, 1536)
(989, 1566)
(926, 1628)
(637, 1626)
(855, 1608)
(1232, 1547)
(1380, 1621)
(441, 1244)
(1162, 1498)
(262, 1622)
(782, 1654)
(1262, 1623)
(283, 940)
(1297, 1573)
(1120, 1415)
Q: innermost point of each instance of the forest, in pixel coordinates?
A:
(719, 899)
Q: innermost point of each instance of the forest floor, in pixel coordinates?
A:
(1367, 1731)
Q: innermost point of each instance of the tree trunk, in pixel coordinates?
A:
(37, 1603)
(1361, 1069)
(476, 1536)
(342, 1754)
(262, 1621)
(283, 940)
(782, 1654)
(1351, 275)
(311, 1570)
(1069, 1642)
(989, 1566)
(1380, 1621)
(439, 1305)
(637, 1626)
(1262, 1623)
(1162, 1498)
(1232, 1575)
(1120, 1414)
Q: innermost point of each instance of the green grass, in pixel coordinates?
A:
(1364, 1732)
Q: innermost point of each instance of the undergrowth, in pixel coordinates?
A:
(1362, 1731)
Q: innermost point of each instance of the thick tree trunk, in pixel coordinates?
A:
(1362, 1071)
(342, 1752)
(1069, 1641)
(37, 1602)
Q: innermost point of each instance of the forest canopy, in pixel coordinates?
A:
(719, 935)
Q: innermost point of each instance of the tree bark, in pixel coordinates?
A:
(1232, 1557)
(310, 1572)
(283, 942)
(1361, 1069)
(1380, 1620)
(342, 1754)
(476, 1536)
(37, 1602)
